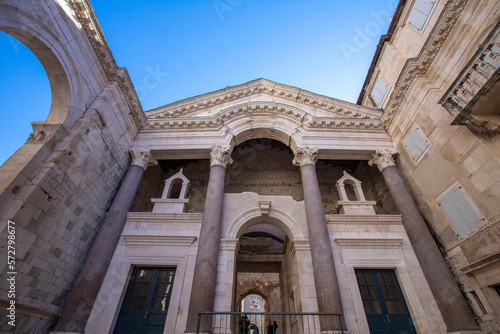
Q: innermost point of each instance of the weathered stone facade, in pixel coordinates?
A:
(259, 188)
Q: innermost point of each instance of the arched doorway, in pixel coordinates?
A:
(265, 267)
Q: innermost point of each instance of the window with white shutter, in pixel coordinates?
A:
(460, 211)
(416, 143)
(379, 91)
(420, 12)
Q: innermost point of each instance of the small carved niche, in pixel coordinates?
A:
(176, 186)
(174, 198)
(354, 185)
(352, 199)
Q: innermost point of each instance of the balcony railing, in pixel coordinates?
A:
(269, 323)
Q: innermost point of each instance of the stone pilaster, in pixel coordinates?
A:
(84, 292)
(325, 277)
(205, 272)
(451, 303)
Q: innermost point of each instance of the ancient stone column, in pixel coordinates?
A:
(88, 283)
(325, 277)
(451, 303)
(205, 272)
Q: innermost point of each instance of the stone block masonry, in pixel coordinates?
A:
(64, 205)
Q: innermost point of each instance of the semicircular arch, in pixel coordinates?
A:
(37, 34)
(275, 217)
(263, 119)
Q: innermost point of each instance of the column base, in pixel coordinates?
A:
(66, 333)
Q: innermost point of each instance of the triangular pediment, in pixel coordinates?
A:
(262, 91)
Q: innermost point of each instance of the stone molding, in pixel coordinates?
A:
(142, 159)
(419, 66)
(273, 110)
(305, 156)
(221, 156)
(87, 18)
(192, 105)
(158, 240)
(369, 243)
(228, 244)
(300, 245)
(48, 132)
(383, 159)
(364, 220)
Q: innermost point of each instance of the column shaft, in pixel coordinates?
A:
(325, 277)
(205, 271)
(455, 311)
(84, 292)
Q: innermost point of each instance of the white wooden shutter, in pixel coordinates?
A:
(416, 143)
(419, 13)
(460, 212)
(379, 91)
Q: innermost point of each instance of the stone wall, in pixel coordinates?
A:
(58, 186)
(457, 155)
(63, 207)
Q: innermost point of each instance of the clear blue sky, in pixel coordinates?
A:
(196, 47)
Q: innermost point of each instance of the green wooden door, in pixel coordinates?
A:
(144, 309)
(384, 304)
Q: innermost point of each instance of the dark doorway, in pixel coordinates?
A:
(385, 307)
(144, 309)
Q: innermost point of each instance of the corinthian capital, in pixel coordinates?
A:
(305, 156)
(383, 158)
(143, 159)
(221, 156)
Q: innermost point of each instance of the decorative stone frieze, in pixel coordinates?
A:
(273, 110)
(305, 156)
(383, 158)
(345, 123)
(221, 156)
(143, 159)
(336, 107)
(415, 66)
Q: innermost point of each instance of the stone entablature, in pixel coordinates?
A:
(343, 131)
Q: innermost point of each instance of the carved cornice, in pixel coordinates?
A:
(345, 123)
(158, 240)
(143, 159)
(416, 66)
(86, 15)
(369, 243)
(221, 156)
(48, 132)
(251, 110)
(262, 86)
(305, 156)
(383, 159)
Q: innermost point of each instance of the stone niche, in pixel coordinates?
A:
(174, 198)
(352, 199)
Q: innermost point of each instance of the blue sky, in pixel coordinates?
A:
(178, 49)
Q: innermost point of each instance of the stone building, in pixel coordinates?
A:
(385, 211)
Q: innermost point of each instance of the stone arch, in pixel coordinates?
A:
(275, 217)
(37, 34)
(268, 119)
